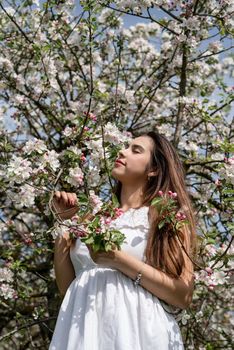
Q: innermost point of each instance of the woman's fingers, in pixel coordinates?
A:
(72, 199)
(65, 204)
(64, 197)
(75, 199)
(57, 195)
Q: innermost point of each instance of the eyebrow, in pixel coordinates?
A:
(138, 146)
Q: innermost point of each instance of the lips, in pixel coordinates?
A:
(118, 161)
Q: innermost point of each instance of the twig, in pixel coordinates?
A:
(183, 83)
(26, 326)
(211, 114)
(105, 162)
(140, 16)
(171, 14)
(55, 214)
(16, 24)
(91, 76)
(220, 257)
(184, 249)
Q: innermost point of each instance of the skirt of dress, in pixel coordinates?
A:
(104, 310)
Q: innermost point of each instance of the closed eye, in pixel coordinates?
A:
(136, 149)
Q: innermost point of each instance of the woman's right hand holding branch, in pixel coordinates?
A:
(65, 204)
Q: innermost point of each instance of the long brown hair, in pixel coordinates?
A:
(164, 250)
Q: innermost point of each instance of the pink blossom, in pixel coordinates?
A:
(172, 194)
(160, 193)
(78, 232)
(28, 241)
(107, 221)
(83, 158)
(180, 216)
(218, 183)
(95, 202)
(92, 117)
(209, 271)
(229, 161)
(75, 218)
(118, 212)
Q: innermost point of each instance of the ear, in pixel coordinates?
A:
(152, 174)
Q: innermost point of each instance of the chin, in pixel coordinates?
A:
(116, 175)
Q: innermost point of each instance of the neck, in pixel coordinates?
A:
(130, 197)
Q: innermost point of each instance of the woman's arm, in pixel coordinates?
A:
(64, 271)
(177, 292)
(65, 205)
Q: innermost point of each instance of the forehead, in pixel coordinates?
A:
(144, 141)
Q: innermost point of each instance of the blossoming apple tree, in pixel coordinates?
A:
(77, 82)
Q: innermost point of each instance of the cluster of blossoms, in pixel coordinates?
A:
(98, 146)
(167, 208)
(227, 171)
(95, 202)
(93, 226)
(37, 165)
(178, 5)
(19, 169)
(215, 273)
(75, 176)
(6, 280)
(212, 277)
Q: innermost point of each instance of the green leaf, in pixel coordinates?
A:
(96, 247)
(82, 198)
(229, 199)
(108, 247)
(87, 240)
(228, 191)
(115, 201)
(161, 224)
(156, 201)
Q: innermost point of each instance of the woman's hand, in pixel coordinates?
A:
(107, 259)
(65, 204)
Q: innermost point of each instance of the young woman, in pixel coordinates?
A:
(125, 299)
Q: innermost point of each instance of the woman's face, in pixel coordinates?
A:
(131, 166)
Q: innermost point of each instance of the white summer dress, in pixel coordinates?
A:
(104, 310)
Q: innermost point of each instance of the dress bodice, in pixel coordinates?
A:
(133, 223)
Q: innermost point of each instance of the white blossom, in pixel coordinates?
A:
(227, 172)
(75, 176)
(215, 46)
(19, 169)
(95, 202)
(68, 131)
(113, 135)
(93, 177)
(51, 158)
(35, 145)
(6, 275)
(59, 230)
(26, 196)
(7, 292)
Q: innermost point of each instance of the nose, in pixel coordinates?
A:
(121, 153)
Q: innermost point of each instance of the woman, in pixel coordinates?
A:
(124, 300)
